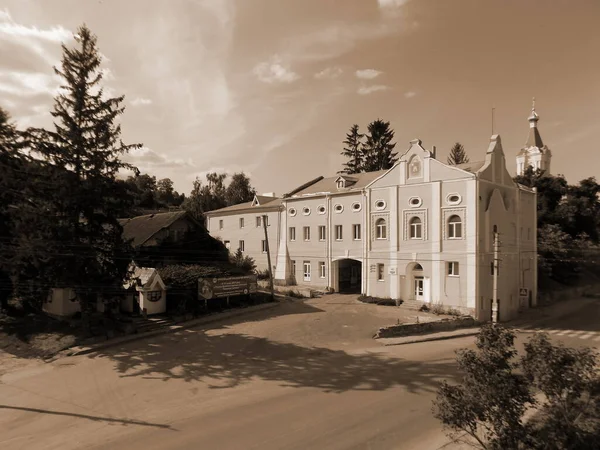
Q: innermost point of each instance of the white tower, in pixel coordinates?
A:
(534, 153)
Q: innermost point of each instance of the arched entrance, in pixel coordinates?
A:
(417, 284)
(349, 276)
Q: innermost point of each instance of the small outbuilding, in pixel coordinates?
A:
(146, 292)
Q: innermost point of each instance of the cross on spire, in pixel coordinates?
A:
(533, 104)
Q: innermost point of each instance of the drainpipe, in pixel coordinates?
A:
(328, 243)
(367, 240)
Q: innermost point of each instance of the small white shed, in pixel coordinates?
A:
(149, 292)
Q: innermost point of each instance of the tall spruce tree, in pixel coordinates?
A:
(378, 149)
(353, 151)
(88, 199)
(457, 155)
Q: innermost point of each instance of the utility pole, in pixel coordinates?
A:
(264, 221)
(495, 278)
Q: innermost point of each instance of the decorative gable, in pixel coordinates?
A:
(255, 201)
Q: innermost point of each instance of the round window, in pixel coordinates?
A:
(321, 209)
(356, 207)
(453, 199)
(414, 202)
(306, 211)
(338, 208)
(380, 204)
(292, 211)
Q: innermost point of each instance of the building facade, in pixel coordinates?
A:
(421, 231)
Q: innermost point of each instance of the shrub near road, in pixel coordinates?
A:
(558, 388)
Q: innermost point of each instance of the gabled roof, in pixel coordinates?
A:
(264, 204)
(142, 277)
(142, 228)
(329, 185)
(472, 167)
(262, 199)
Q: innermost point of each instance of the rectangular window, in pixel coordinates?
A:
(453, 268)
(292, 233)
(294, 268)
(258, 221)
(264, 246)
(307, 233)
(338, 233)
(356, 231)
(220, 224)
(322, 269)
(380, 272)
(267, 221)
(242, 246)
(241, 222)
(227, 245)
(322, 235)
(306, 270)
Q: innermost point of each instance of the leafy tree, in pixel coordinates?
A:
(457, 155)
(89, 254)
(378, 149)
(550, 192)
(568, 415)
(206, 197)
(166, 195)
(239, 190)
(558, 388)
(353, 151)
(488, 405)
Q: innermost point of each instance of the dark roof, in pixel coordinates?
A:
(471, 166)
(266, 203)
(328, 185)
(141, 228)
(534, 139)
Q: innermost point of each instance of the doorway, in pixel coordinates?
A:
(349, 276)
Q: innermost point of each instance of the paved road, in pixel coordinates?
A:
(261, 384)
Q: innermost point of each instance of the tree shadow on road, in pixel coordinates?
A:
(228, 360)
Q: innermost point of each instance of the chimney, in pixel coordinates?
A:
(433, 151)
(268, 194)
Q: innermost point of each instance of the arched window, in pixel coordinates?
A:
(416, 228)
(454, 227)
(381, 229)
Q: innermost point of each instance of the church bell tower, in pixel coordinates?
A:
(534, 153)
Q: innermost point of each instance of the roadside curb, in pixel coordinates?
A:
(84, 350)
(429, 337)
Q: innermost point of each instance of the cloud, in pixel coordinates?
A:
(26, 84)
(44, 43)
(410, 94)
(274, 71)
(147, 159)
(367, 74)
(140, 101)
(366, 90)
(329, 73)
(391, 3)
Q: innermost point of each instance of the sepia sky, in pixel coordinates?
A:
(271, 87)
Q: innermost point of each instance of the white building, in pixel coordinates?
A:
(534, 153)
(421, 231)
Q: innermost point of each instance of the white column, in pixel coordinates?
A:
(435, 238)
(281, 267)
(471, 232)
(393, 244)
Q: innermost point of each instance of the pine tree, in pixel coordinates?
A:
(378, 150)
(457, 155)
(353, 151)
(88, 198)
